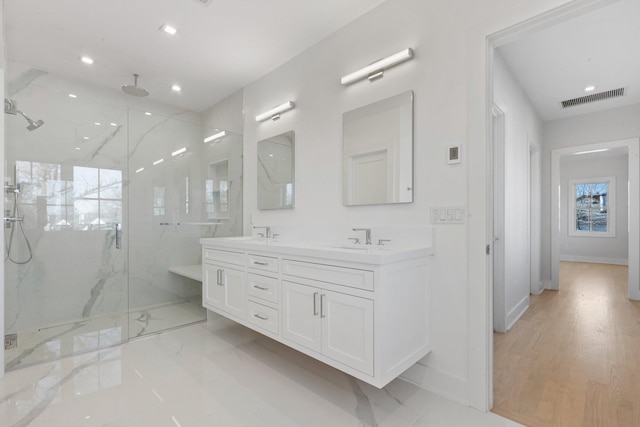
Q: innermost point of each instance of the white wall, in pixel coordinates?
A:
(522, 125)
(2, 168)
(448, 77)
(609, 125)
(610, 250)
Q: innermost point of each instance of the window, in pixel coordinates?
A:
(158, 201)
(591, 207)
(97, 198)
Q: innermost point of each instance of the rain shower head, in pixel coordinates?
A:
(11, 107)
(135, 90)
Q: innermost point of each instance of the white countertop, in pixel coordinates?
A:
(346, 251)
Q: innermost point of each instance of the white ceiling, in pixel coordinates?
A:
(600, 48)
(218, 49)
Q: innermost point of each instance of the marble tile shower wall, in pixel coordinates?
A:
(80, 173)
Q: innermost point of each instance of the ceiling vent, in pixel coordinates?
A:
(204, 2)
(593, 98)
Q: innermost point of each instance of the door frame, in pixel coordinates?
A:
(633, 148)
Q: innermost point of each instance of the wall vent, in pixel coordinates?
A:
(614, 93)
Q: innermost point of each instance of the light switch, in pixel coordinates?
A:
(447, 215)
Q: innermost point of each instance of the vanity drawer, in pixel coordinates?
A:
(261, 262)
(352, 277)
(217, 255)
(263, 316)
(267, 288)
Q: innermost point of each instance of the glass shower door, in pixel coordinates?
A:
(173, 203)
(66, 281)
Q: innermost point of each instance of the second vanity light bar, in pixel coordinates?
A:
(376, 69)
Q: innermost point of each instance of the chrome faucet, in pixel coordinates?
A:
(367, 235)
(267, 230)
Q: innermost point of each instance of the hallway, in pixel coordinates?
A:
(572, 359)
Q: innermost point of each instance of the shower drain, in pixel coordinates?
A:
(10, 341)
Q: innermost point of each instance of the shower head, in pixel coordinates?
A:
(135, 90)
(11, 107)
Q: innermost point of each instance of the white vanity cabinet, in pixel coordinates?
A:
(336, 325)
(363, 312)
(223, 282)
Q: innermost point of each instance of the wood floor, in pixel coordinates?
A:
(573, 359)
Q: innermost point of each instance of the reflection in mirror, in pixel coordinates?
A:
(217, 190)
(275, 172)
(378, 152)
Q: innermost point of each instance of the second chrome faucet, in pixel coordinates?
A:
(367, 234)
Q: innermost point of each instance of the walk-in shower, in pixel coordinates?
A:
(101, 218)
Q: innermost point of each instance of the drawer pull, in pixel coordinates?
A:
(260, 317)
(260, 263)
(262, 288)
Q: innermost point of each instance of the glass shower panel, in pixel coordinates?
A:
(170, 194)
(66, 288)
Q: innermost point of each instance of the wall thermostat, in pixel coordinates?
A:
(454, 155)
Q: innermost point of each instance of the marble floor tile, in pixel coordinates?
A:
(58, 341)
(214, 374)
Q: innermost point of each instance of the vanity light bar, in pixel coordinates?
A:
(178, 152)
(215, 136)
(274, 113)
(376, 69)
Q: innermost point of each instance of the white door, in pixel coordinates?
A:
(369, 178)
(301, 321)
(347, 330)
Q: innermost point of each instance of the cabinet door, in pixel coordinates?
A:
(347, 330)
(224, 288)
(301, 321)
(235, 298)
(212, 290)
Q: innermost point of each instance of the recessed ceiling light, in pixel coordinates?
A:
(97, 123)
(176, 88)
(87, 60)
(77, 148)
(589, 88)
(139, 170)
(168, 29)
(71, 95)
(157, 162)
(147, 113)
(86, 138)
(113, 124)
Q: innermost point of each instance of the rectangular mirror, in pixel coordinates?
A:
(378, 152)
(276, 171)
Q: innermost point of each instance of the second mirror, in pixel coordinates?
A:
(276, 172)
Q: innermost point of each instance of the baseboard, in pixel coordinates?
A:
(438, 382)
(542, 285)
(517, 312)
(595, 260)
